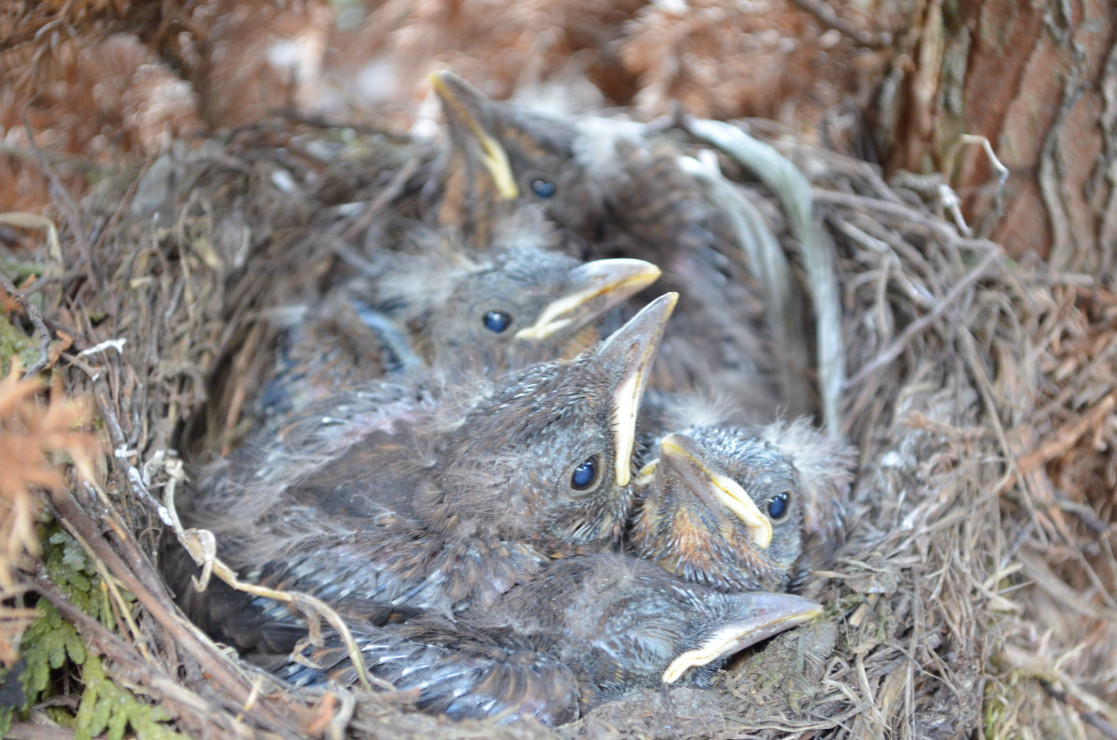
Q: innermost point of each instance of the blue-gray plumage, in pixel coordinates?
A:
(585, 630)
(437, 304)
(625, 194)
(440, 504)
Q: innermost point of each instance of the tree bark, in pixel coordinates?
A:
(1038, 78)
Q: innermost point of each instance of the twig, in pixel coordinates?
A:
(22, 220)
(1063, 439)
(984, 387)
(240, 389)
(1037, 571)
(1038, 668)
(162, 610)
(826, 15)
(111, 585)
(381, 201)
(905, 213)
(893, 350)
(340, 719)
(117, 344)
(202, 546)
(999, 168)
(1104, 727)
(183, 703)
(155, 587)
(917, 294)
(31, 731)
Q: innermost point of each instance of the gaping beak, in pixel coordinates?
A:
(685, 456)
(465, 108)
(763, 615)
(627, 354)
(595, 287)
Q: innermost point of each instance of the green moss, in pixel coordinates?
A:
(54, 656)
(996, 714)
(19, 271)
(107, 708)
(14, 342)
(884, 622)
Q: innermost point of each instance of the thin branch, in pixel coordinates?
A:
(826, 15)
(390, 192)
(1063, 439)
(183, 703)
(910, 216)
(163, 611)
(916, 327)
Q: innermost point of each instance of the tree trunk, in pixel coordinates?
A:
(1038, 78)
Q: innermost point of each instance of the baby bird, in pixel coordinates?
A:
(518, 301)
(620, 623)
(501, 156)
(625, 194)
(439, 507)
(726, 506)
(437, 304)
(586, 630)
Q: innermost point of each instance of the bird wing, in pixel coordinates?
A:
(453, 670)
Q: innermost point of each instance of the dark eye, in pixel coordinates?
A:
(543, 188)
(778, 506)
(497, 321)
(584, 475)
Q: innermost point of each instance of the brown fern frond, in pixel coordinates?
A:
(33, 436)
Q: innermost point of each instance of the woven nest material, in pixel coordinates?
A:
(979, 392)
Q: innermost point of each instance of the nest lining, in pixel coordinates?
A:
(978, 393)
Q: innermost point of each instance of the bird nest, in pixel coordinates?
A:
(974, 589)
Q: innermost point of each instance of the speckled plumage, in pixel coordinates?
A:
(427, 306)
(586, 630)
(625, 194)
(413, 505)
(685, 522)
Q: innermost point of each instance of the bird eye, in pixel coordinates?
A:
(585, 475)
(543, 188)
(497, 321)
(778, 506)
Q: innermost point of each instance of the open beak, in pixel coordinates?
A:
(595, 287)
(628, 352)
(684, 456)
(465, 108)
(763, 615)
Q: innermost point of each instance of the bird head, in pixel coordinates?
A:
(529, 305)
(547, 458)
(501, 153)
(621, 623)
(733, 622)
(721, 506)
(518, 300)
